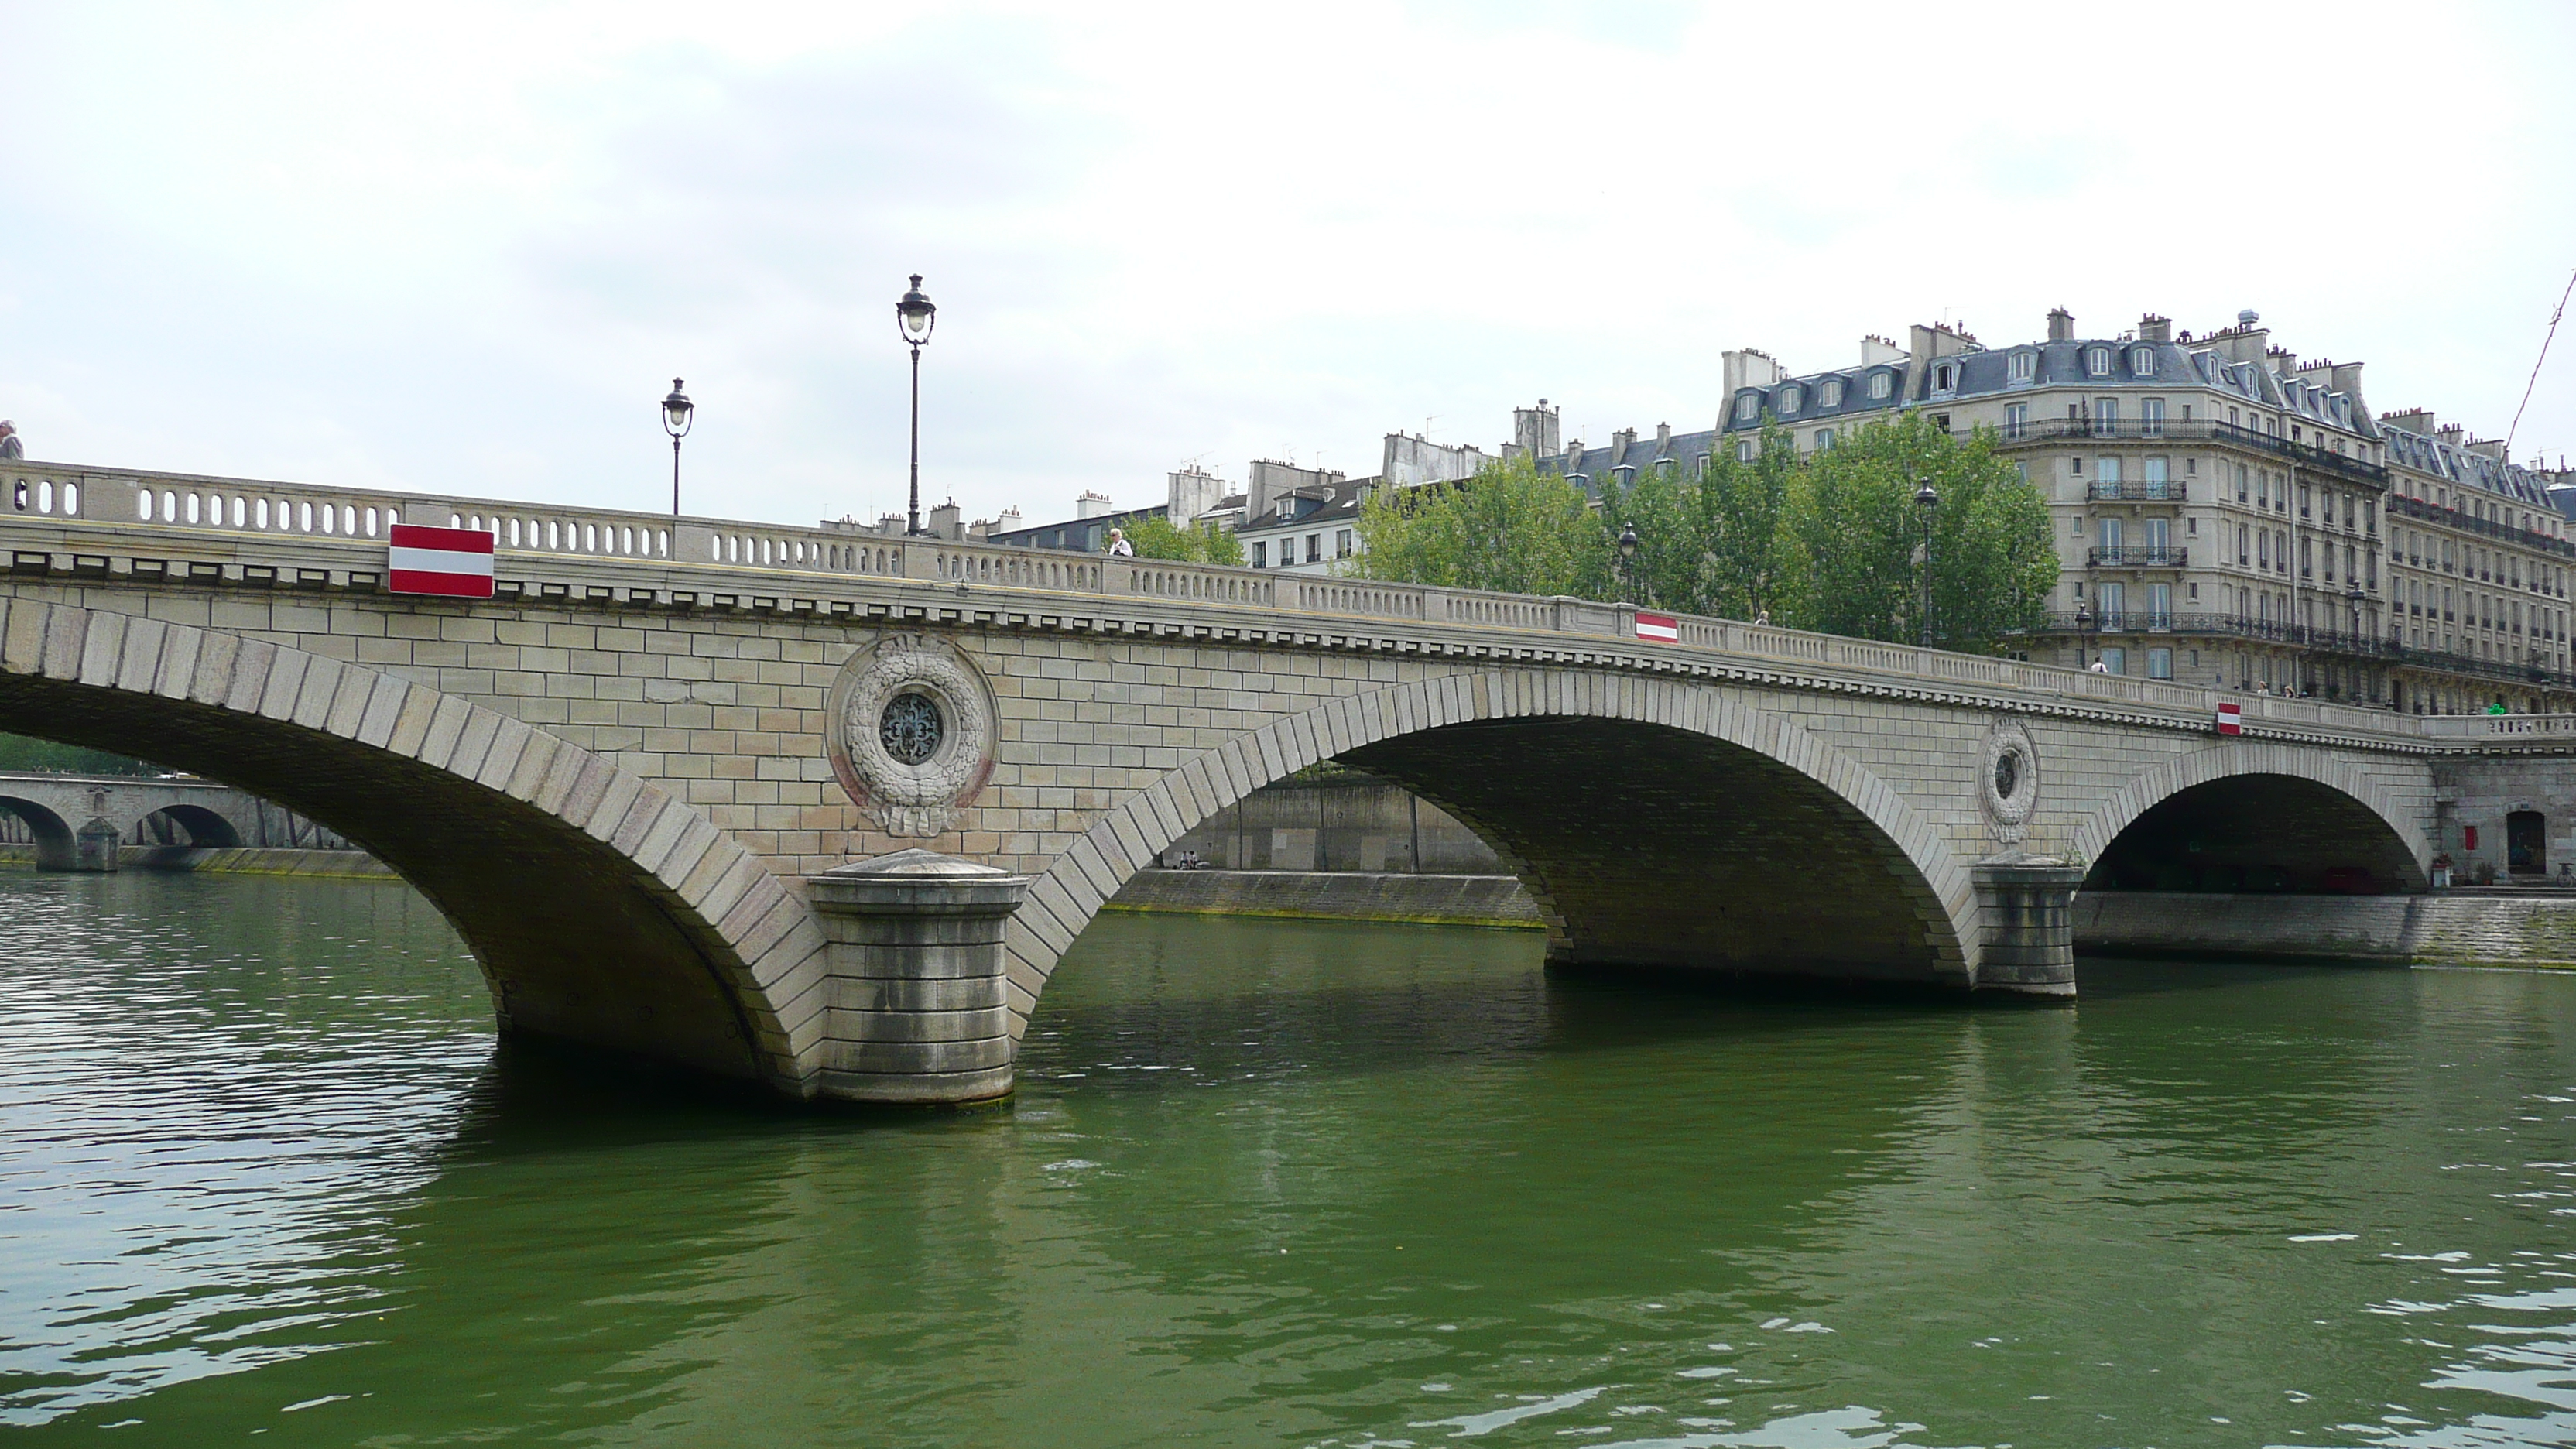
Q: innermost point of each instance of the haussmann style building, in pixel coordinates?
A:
(2228, 513)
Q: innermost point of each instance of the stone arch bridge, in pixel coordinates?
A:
(78, 821)
(824, 808)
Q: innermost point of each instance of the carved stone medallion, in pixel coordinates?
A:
(911, 732)
(2009, 783)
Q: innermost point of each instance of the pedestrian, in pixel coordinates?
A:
(10, 447)
(2101, 666)
(1119, 547)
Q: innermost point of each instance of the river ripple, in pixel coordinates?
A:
(263, 1171)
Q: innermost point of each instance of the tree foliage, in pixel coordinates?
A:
(1833, 541)
(1510, 529)
(1205, 543)
(21, 754)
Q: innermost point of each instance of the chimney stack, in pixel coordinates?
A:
(2061, 325)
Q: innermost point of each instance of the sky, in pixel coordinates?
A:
(464, 248)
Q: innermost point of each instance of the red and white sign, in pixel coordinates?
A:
(2231, 719)
(456, 562)
(1662, 628)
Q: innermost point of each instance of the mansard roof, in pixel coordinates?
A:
(2428, 453)
(1989, 372)
(1596, 464)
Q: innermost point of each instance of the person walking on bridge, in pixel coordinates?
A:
(10, 447)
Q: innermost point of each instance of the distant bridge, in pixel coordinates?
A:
(625, 777)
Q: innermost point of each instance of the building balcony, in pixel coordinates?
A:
(2136, 430)
(2140, 556)
(2156, 490)
(2418, 509)
(2362, 644)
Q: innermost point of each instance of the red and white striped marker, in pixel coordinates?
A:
(2231, 718)
(1662, 628)
(455, 562)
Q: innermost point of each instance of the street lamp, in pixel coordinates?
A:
(1628, 556)
(677, 413)
(915, 316)
(2083, 633)
(1925, 502)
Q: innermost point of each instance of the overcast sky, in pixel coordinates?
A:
(465, 248)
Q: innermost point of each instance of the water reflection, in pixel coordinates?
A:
(261, 1168)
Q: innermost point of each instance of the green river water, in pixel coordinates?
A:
(265, 1174)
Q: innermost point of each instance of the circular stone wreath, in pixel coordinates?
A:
(911, 733)
(2009, 783)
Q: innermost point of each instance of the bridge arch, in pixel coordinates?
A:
(56, 847)
(2276, 800)
(205, 828)
(1710, 784)
(601, 909)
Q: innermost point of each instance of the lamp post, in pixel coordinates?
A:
(1628, 558)
(915, 316)
(2083, 633)
(677, 413)
(1925, 502)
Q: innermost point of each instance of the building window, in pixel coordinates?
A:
(2016, 421)
(1342, 544)
(1824, 438)
(1829, 393)
(1261, 555)
(2151, 417)
(2106, 417)
(2142, 361)
(1314, 548)
(2160, 664)
(2156, 479)
(2097, 361)
(2115, 660)
(1945, 377)
(2025, 365)
(1748, 407)
(1744, 452)
(1881, 384)
(2107, 470)
(1790, 397)
(2110, 540)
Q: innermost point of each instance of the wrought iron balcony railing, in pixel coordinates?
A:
(2134, 556)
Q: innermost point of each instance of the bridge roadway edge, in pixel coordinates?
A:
(1119, 680)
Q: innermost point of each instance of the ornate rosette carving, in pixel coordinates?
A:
(2009, 783)
(911, 734)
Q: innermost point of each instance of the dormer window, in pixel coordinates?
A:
(1748, 407)
(1945, 377)
(2025, 366)
(1829, 393)
(2142, 361)
(1790, 397)
(2097, 361)
(1880, 384)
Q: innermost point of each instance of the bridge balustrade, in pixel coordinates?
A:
(42, 494)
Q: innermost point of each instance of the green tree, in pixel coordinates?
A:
(1205, 543)
(1832, 541)
(19, 753)
(1510, 529)
(1714, 544)
(1857, 538)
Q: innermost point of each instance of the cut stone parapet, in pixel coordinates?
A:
(2029, 928)
(919, 1009)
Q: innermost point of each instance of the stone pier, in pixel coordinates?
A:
(919, 991)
